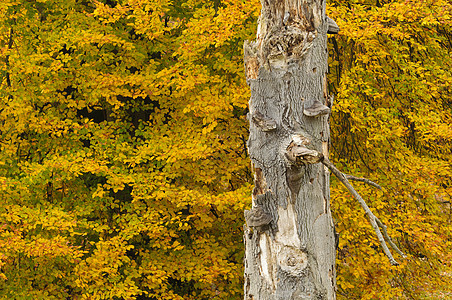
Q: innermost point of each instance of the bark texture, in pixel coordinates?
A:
(289, 236)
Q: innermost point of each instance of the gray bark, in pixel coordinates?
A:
(289, 236)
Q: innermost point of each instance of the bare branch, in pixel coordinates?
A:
(365, 180)
(388, 238)
(374, 221)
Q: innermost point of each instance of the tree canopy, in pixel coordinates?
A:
(123, 165)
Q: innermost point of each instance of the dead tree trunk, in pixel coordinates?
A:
(289, 236)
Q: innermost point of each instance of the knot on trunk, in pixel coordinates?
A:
(263, 122)
(293, 261)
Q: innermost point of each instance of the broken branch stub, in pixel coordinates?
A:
(333, 28)
(297, 153)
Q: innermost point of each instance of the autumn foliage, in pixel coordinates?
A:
(123, 164)
(391, 71)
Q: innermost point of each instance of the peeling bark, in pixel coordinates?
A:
(289, 236)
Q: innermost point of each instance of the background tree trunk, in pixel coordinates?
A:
(289, 236)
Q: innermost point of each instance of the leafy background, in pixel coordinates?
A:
(123, 164)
